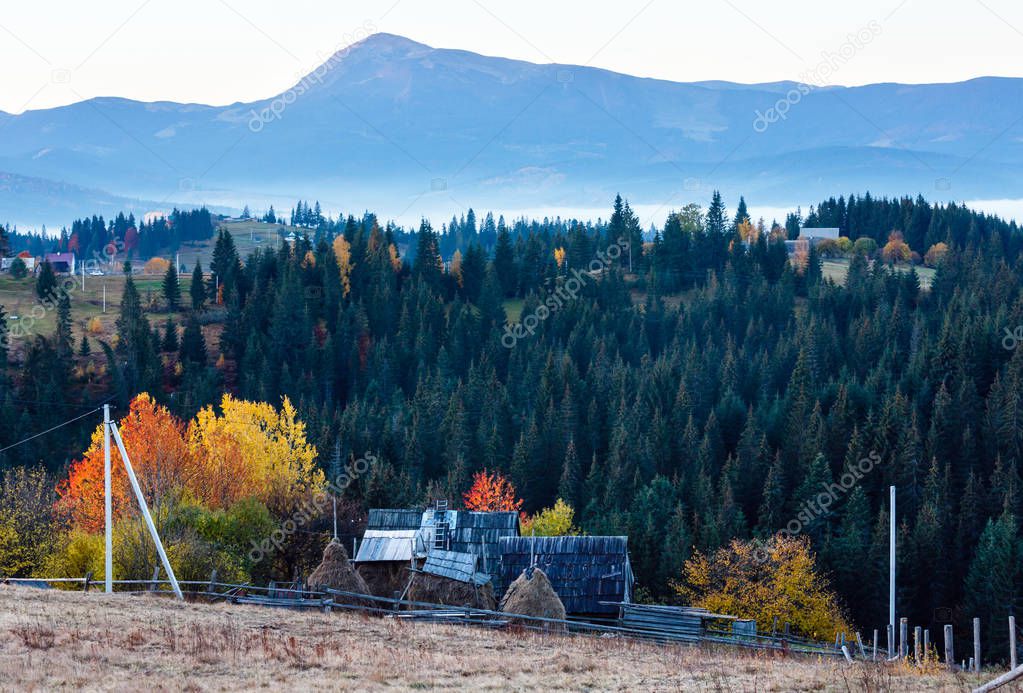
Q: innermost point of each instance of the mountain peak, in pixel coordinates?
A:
(382, 42)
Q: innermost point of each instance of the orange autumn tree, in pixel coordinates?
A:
(155, 441)
(491, 493)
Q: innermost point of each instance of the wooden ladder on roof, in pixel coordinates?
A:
(442, 527)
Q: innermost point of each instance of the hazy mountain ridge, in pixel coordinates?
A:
(390, 120)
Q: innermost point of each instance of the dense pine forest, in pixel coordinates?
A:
(682, 385)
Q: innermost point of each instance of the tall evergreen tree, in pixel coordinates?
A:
(171, 289)
(197, 289)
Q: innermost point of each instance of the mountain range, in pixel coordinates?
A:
(405, 129)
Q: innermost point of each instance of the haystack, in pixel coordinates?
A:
(534, 597)
(384, 578)
(335, 572)
(436, 589)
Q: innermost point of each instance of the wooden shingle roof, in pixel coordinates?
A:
(584, 571)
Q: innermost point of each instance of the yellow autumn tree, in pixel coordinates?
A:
(896, 249)
(456, 268)
(550, 522)
(392, 252)
(252, 450)
(766, 581)
(935, 254)
(156, 265)
(343, 253)
(747, 231)
(559, 257)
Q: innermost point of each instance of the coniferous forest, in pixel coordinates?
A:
(681, 385)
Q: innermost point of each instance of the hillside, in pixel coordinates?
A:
(97, 642)
(389, 119)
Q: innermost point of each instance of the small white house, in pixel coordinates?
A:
(5, 263)
(816, 235)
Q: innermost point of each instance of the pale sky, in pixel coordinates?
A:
(220, 51)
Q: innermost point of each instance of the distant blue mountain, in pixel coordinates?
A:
(393, 124)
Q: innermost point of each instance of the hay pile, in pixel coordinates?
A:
(335, 572)
(434, 589)
(533, 597)
(384, 578)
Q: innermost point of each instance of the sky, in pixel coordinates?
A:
(222, 51)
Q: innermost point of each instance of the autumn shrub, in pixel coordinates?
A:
(26, 520)
(764, 582)
(77, 554)
(551, 522)
(156, 265)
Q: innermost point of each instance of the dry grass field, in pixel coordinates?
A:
(60, 640)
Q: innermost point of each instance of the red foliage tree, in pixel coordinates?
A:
(491, 493)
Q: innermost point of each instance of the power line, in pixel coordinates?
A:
(50, 430)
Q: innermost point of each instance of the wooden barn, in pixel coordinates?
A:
(463, 545)
(592, 575)
(390, 546)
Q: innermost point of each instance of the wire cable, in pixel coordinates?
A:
(50, 430)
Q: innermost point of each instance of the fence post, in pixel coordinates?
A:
(1012, 642)
(927, 643)
(903, 637)
(213, 582)
(976, 645)
(874, 655)
(156, 576)
(917, 636)
(87, 581)
(859, 644)
(848, 657)
(950, 658)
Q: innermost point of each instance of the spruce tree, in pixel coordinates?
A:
(171, 289)
(504, 262)
(197, 290)
(193, 344)
(170, 337)
(46, 282)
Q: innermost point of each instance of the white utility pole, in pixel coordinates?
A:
(145, 511)
(108, 512)
(891, 562)
(333, 494)
(104, 298)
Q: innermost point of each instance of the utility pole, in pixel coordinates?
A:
(145, 511)
(333, 482)
(104, 297)
(110, 429)
(891, 560)
(107, 509)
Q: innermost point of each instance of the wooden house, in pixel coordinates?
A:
(592, 575)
